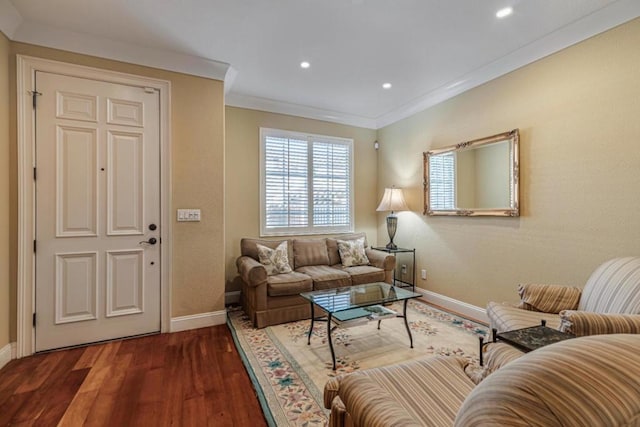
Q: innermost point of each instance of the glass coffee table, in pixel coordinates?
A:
(352, 303)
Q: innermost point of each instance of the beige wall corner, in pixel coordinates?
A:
(242, 163)
(577, 112)
(197, 133)
(5, 201)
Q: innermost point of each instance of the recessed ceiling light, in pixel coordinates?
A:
(504, 12)
(305, 64)
(386, 85)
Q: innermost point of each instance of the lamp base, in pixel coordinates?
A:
(392, 225)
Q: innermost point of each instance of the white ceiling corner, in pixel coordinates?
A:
(10, 18)
(429, 50)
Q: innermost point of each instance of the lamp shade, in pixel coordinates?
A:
(392, 200)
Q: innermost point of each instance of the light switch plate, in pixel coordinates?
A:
(188, 215)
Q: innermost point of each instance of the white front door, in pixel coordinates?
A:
(97, 211)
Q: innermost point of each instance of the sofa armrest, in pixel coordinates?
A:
(548, 298)
(251, 271)
(370, 405)
(381, 259)
(581, 323)
(331, 389)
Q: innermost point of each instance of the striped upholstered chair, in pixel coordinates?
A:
(609, 303)
(589, 381)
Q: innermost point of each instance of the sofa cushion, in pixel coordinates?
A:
(248, 247)
(275, 261)
(325, 277)
(426, 392)
(352, 252)
(332, 245)
(505, 317)
(310, 252)
(361, 274)
(288, 284)
(548, 298)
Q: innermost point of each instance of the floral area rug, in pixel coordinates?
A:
(290, 375)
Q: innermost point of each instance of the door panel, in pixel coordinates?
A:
(76, 287)
(97, 190)
(125, 178)
(76, 179)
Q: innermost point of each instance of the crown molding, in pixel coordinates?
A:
(16, 29)
(56, 38)
(599, 21)
(274, 106)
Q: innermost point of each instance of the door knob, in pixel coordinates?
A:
(152, 227)
(151, 241)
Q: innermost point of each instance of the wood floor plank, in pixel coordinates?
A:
(186, 378)
(51, 389)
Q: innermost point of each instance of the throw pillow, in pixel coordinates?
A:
(276, 260)
(352, 252)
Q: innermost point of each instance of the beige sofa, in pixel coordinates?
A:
(588, 381)
(316, 264)
(609, 303)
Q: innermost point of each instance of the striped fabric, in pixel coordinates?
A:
(589, 381)
(331, 390)
(498, 355)
(426, 392)
(581, 323)
(613, 288)
(548, 298)
(505, 317)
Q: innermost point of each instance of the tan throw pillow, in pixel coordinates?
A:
(276, 260)
(352, 252)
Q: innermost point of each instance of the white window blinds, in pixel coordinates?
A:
(306, 183)
(442, 189)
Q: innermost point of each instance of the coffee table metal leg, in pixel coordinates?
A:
(333, 355)
(406, 323)
(313, 317)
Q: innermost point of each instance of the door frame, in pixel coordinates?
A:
(26, 69)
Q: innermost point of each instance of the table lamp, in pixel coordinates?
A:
(392, 200)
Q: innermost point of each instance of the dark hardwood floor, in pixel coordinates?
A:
(192, 378)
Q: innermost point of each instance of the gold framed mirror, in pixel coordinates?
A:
(474, 178)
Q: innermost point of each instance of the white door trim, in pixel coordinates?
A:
(26, 68)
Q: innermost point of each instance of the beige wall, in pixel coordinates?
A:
(197, 132)
(4, 192)
(242, 161)
(577, 112)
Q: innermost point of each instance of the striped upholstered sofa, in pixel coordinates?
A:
(609, 303)
(588, 381)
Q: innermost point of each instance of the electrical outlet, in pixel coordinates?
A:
(423, 274)
(404, 268)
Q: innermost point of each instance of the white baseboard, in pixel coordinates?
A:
(232, 297)
(467, 310)
(7, 353)
(200, 320)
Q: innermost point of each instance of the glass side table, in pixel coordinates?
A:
(402, 282)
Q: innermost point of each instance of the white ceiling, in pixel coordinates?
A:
(429, 50)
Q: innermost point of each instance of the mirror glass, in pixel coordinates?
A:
(474, 178)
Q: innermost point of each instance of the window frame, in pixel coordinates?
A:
(310, 229)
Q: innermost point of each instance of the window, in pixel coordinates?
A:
(306, 183)
(442, 189)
